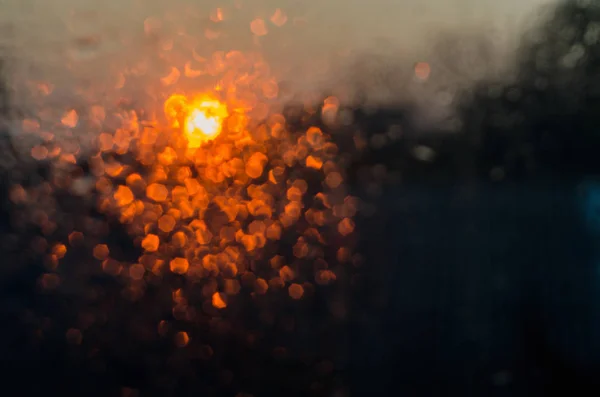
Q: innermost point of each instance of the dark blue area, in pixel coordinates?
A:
(482, 282)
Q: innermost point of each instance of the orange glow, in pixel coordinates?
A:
(218, 300)
(422, 71)
(70, 119)
(202, 118)
(223, 198)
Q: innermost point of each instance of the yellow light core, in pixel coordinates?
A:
(202, 118)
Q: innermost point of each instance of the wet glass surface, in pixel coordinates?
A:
(265, 198)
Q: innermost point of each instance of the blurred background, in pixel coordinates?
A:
(478, 177)
(317, 47)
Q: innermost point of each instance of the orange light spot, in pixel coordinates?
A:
(279, 18)
(422, 71)
(120, 83)
(324, 277)
(333, 179)
(137, 271)
(49, 281)
(70, 119)
(232, 287)
(59, 250)
(258, 27)
(167, 156)
(346, 226)
(249, 242)
(149, 136)
(255, 165)
(18, 194)
(301, 184)
(276, 283)
(101, 252)
(202, 118)
(274, 232)
(343, 255)
(45, 88)
(314, 136)
(314, 162)
(163, 328)
(294, 194)
(98, 114)
(39, 152)
(134, 181)
(191, 73)
(204, 122)
(216, 15)
(171, 78)
(179, 265)
(150, 243)
(30, 125)
(179, 239)
(157, 192)
(261, 286)
(68, 158)
(75, 238)
(286, 273)
(113, 169)
(331, 101)
(123, 196)
(296, 291)
(276, 262)
(300, 249)
(112, 267)
(166, 223)
(219, 300)
(293, 210)
(182, 339)
(256, 227)
(203, 235)
(209, 262)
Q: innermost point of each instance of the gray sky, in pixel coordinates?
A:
(42, 32)
(329, 23)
